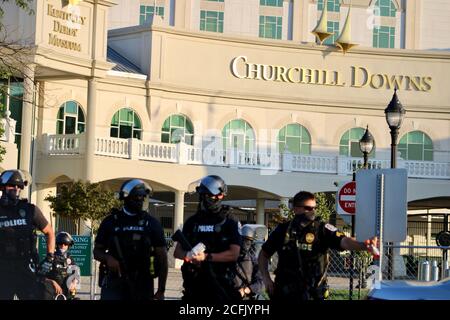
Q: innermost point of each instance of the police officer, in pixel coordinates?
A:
(248, 278)
(208, 276)
(131, 247)
(302, 245)
(63, 271)
(19, 221)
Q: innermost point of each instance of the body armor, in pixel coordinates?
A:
(17, 235)
(303, 262)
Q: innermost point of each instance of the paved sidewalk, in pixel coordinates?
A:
(174, 286)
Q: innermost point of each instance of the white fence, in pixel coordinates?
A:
(182, 153)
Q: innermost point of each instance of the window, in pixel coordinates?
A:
(147, 11)
(270, 27)
(176, 128)
(332, 5)
(211, 21)
(126, 124)
(349, 144)
(271, 3)
(238, 134)
(295, 138)
(11, 98)
(333, 27)
(70, 118)
(416, 145)
(385, 8)
(384, 37)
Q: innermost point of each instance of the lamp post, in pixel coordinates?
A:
(395, 113)
(366, 145)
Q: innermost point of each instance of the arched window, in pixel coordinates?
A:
(384, 35)
(332, 5)
(70, 118)
(295, 138)
(238, 134)
(126, 124)
(177, 127)
(416, 145)
(333, 22)
(349, 144)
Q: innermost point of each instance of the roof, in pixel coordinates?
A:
(122, 63)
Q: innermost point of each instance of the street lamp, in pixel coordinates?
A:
(366, 145)
(395, 113)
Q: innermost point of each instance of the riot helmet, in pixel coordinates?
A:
(135, 194)
(64, 238)
(211, 189)
(247, 232)
(18, 178)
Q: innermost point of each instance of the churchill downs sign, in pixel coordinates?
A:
(360, 77)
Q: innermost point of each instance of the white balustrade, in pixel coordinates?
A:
(427, 169)
(61, 144)
(352, 164)
(112, 147)
(185, 154)
(307, 163)
(155, 151)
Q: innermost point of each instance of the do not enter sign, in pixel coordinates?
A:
(346, 198)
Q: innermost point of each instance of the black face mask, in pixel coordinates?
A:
(306, 217)
(9, 198)
(211, 205)
(134, 204)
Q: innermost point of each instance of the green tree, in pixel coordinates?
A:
(83, 201)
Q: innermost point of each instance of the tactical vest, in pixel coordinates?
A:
(303, 260)
(136, 250)
(17, 232)
(214, 239)
(59, 271)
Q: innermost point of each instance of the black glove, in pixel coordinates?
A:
(47, 264)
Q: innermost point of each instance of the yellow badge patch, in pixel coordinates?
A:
(340, 234)
(309, 237)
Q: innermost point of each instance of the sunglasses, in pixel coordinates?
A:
(308, 208)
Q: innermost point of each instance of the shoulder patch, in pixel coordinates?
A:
(330, 227)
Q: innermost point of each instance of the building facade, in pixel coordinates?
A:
(235, 88)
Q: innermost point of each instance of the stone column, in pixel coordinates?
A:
(297, 23)
(27, 124)
(179, 210)
(260, 216)
(27, 121)
(90, 129)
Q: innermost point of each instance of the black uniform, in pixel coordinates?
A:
(58, 273)
(211, 282)
(18, 251)
(131, 240)
(247, 272)
(302, 247)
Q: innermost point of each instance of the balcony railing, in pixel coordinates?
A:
(182, 153)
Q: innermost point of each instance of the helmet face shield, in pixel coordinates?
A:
(64, 238)
(136, 195)
(213, 185)
(20, 178)
(130, 185)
